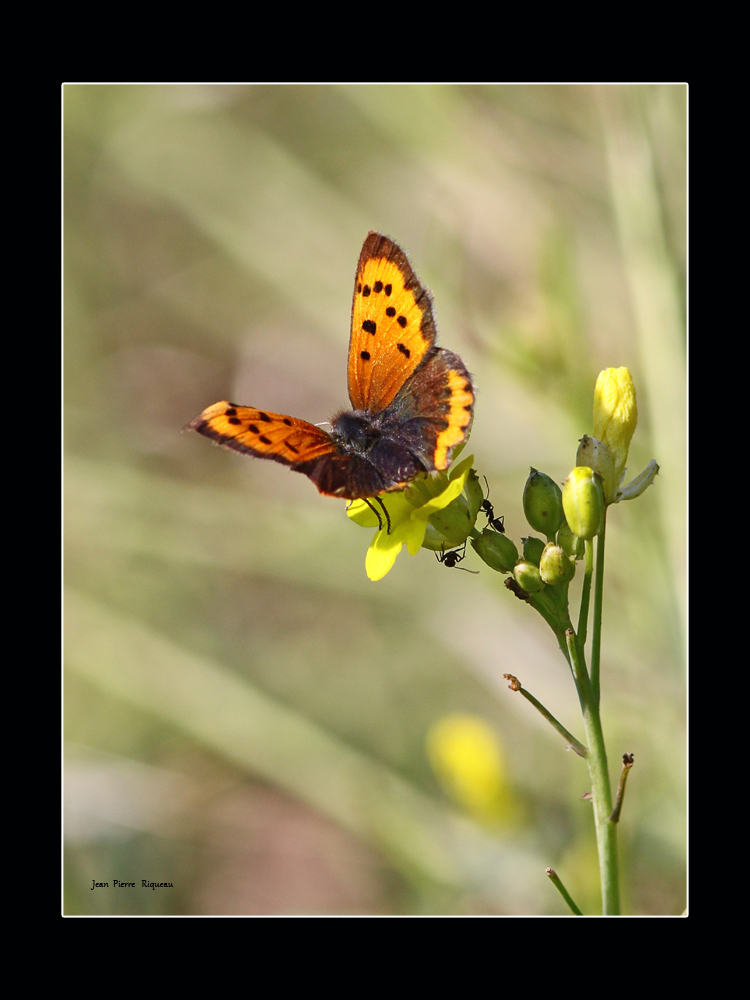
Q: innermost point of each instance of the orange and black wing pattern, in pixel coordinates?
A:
(392, 325)
(336, 470)
(432, 413)
(412, 401)
(263, 434)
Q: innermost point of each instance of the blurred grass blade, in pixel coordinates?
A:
(250, 729)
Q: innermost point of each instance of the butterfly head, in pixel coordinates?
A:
(355, 430)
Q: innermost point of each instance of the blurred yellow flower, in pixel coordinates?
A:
(468, 760)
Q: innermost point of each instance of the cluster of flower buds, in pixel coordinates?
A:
(539, 564)
(570, 516)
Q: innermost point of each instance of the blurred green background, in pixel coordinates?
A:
(247, 716)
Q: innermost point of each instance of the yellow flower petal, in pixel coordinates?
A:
(362, 514)
(382, 553)
(415, 532)
(398, 507)
(615, 414)
(452, 490)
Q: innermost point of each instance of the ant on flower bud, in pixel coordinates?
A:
(487, 508)
(453, 558)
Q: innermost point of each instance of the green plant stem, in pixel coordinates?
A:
(596, 642)
(555, 880)
(557, 622)
(583, 614)
(550, 613)
(578, 663)
(606, 830)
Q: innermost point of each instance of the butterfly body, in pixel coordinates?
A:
(412, 402)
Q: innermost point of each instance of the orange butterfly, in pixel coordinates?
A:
(412, 402)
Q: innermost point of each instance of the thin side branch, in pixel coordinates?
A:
(555, 880)
(627, 763)
(574, 744)
(583, 615)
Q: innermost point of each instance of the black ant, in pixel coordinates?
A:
(453, 558)
(498, 523)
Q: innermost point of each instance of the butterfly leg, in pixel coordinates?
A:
(387, 518)
(376, 512)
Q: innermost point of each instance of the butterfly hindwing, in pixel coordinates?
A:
(432, 413)
(392, 325)
(263, 434)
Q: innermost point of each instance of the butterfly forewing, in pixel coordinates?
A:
(262, 433)
(392, 325)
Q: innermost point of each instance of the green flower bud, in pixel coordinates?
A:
(435, 540)
(542, 503)
(532, 549)
(583, 502)
(475, 495)
(555, 566)
(497, 550)
(527, 576)
(452, 524)
(596, 455)
(571, 544)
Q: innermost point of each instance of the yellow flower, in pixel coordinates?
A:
(615, 415)
(467, 758)
(408, 512)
